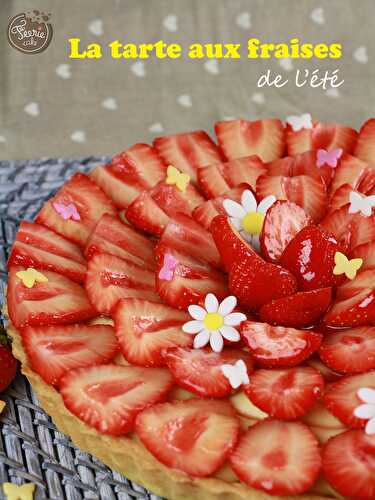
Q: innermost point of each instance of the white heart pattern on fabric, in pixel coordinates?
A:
(170, 23)
(300, 122)
(138, 68)
(360, 55)
(156, 128)
(361, 203)
(212, 66)
(243, 20)
(96, 27)
(78, 136)
(258, 98)
(109, 103)
(333, 92)
(63, 71)
(286, 63)
(32, 109)
(317, 15)
(185, 100)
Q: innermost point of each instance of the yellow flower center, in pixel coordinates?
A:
(253, 222)
(213, 321)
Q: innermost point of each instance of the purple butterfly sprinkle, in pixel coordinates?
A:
(67, 211)
(169, 265)
(329, 158)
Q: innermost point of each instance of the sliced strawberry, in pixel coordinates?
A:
(282, 222)
(280, 458)
(342, 398)
(365, 186)
(328, 374)
(350, 351)
(349, 170)
(90, 202)
(206, 211)
(134, 170)
(364, 281)
(350, 230)
(287, 393)
(264, 138)
(340, 197)
(326, 136)
(348, 464)
(145, 328)
(366, 252)
(217, 179)
(365, 147)
(153, 209)
(193, 436)
(189, 151)
(110, 279)
(189, 281)
(37, 246)
(276, 346)
(256, 282)
(109, 397)
(299, 310)
(59, 300)
(308, 192)
(54, 350)
(114, 237)
(356, 311)
(310, 256)
(199, 370)
(185, 235)
(232, 247)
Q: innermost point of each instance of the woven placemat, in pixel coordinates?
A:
(31, 448)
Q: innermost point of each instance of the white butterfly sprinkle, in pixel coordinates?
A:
(236, 374)
(300, 122)
(361, 203)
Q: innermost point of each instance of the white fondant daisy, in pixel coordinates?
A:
(367, 410)
(214, 322)
(236, 374)
(361, 203)
(248, 217)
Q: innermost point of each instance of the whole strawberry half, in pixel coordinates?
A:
(310, 256)
(8, 367)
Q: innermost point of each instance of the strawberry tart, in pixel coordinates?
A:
(200, 315)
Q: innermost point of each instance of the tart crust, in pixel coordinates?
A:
(129, 457)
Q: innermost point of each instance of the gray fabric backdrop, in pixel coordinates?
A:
(51, 105)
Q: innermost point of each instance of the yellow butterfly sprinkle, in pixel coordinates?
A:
(30, 277)
(346, 266)
(15, 492)
(2, 406)
(177, 178)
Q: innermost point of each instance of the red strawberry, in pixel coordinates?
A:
(366, 186)
(310, 256)
(205, 213)
(54, 350)
(348, 464)
(264, 138)
(280, 458)
(217, 179)
(282, 222)
(110, 279)
(299, 310)
(342, 398)
(287, 393)
(90, 202)
(276, 346)
(364, 281)
(134, 170)
(188, 151)
(349, 170)
(37, 246)
(60, 300)
(328, 374)
(145, 328)
(232, 247)
(8, 367)
(109, 397)
(153, 209)
(114, 237)
(321, 136)
(193, 436)
(256, 282)
(366, 252)
(350, 351)
(189, 281)
(199, 370)
(308, 192)
(365, 148)
(350, 230)
(187, 236)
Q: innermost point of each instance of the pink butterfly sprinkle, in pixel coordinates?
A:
(67, 211)
(329, 158)
(169, 265)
